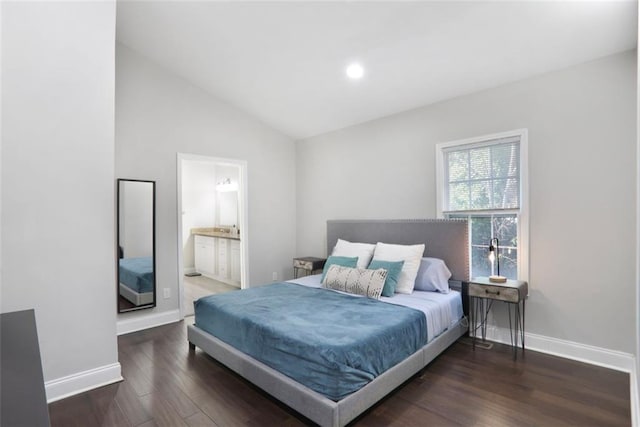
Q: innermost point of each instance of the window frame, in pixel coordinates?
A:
(522, 212)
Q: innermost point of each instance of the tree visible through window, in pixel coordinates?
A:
(480, 180)
(484, 228)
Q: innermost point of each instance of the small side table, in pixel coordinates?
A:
(482, 293)
(308, 264)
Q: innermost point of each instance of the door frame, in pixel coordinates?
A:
(243, 216)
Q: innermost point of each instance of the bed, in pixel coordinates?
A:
(136, 280)
(327, 404)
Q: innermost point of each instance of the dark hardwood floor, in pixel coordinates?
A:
(166, 385)
(124, 304)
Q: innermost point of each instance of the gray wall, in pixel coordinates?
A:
(135, 208)
(58, 253)
(158, 115)
(638, 226)
(582, 152)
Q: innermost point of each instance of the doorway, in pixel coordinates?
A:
(212, 227)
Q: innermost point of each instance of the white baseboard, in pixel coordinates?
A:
(618, 360)
(146, 321)
(82, 381)
(188, 270)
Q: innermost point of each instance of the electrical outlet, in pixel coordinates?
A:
(274, 276)
(167, 293)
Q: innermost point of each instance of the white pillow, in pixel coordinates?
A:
(364, 251)
(358, 281)
(410, 254)
(433, 275)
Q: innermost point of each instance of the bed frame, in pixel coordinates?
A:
(445, 239)
(135, 297)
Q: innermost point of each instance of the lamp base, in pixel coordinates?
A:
(497, 279)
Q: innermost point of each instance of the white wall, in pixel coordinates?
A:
(635, 399)
(227, 207)
(198, 204)
(136, 219)
(582, 160)
(158, 115)
(1, 136)
(58, 252)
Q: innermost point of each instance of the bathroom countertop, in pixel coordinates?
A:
(215, 232)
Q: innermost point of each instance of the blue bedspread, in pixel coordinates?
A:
(137, 274)
(330, 342)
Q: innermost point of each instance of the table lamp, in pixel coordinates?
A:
(494, 256)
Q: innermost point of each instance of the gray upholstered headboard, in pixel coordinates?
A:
(447, 239)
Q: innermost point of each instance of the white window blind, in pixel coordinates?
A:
(483, 176)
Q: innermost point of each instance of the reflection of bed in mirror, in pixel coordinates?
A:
(136, 280)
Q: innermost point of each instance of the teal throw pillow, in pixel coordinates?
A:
(393, 272)
(343, 261)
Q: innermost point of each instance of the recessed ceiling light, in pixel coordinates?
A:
(355, 71)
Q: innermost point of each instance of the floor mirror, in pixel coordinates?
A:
(136, 248)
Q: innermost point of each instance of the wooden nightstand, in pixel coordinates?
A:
(482, 293)
(308, 264)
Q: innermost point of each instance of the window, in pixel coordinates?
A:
(485, 181)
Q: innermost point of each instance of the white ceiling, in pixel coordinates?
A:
(283, 62)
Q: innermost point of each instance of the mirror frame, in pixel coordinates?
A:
(153, 244)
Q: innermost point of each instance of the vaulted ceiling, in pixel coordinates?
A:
(284, 62)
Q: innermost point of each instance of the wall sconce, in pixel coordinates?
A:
(494, 256)
(226, 185)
